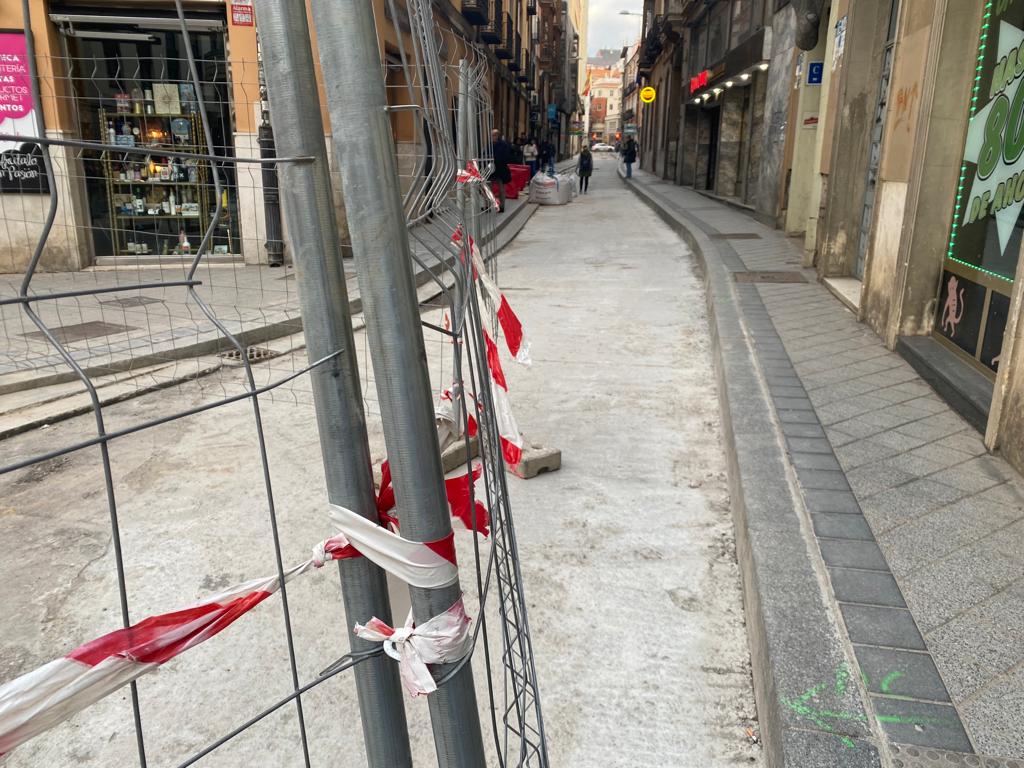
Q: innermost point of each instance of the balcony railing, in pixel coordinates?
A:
(491, 32)
(475, 11)
(516, 64)
(546, 55)
(504, 48)
(531, 75)
(525, 69)
(531, 7)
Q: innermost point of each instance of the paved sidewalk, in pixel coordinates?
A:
(125, 328)
(920, 530)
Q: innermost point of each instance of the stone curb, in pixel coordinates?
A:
(796, 643)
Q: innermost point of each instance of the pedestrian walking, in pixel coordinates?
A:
(530, 155)
(501, 152)
(629, 150)
(585, 167)
(547, 157)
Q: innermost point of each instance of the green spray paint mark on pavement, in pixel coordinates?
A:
(888, 680)
(808, 706)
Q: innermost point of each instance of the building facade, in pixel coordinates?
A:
(709, 63)
(604, 96)
(886, 135)
(116, 73)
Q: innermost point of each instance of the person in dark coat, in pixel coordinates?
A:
(584, 168)
(629, 155)
(547, 157)
(501, 152)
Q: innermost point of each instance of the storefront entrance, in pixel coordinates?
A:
(131, 86)
(985, 237)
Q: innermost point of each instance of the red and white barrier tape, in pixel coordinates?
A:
(51, 694)
(45, 697)
(472, 175)
(442, 640)
(511, 327)
(422, 564)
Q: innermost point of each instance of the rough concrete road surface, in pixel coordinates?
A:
(627, 551)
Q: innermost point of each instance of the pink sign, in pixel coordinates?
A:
(15, 82)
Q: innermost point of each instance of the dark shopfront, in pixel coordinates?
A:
(131, 86)
(723, 93)
(980, 264)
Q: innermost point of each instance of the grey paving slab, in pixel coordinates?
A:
(822, 479)
(855, 585)
(933, 427)
(993, 715)
(982, 644)
(831, 501)
(869, 479)
(937, 534)
(859, 452)
(837, 525)
(798, 429)
(897, 506)
(940, 591)
(922, 723)
(893, 672)
(888, 627)
(797, 417)
(792, 403)
(964, 479)
(779, 391)
(809, 445)
(853, 554)
(814, 461)
(813, 749)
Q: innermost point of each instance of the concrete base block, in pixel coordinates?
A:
(456, 457)
(536, 460)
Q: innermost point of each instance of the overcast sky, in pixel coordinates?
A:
(607, 28)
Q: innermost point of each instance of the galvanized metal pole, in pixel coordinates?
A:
(316, 252)
(364, 149)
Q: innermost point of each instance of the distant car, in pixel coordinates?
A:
(602, 147)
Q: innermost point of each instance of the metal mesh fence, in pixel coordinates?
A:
(143, 259)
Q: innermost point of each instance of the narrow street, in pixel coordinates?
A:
(629, 548)
(627, 551)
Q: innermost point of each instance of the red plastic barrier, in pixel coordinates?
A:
(520, 175)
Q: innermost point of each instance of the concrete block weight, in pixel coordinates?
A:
(536, 460)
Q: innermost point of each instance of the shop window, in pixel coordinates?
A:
(718, 33)
(746, 20)
(138, 90)
(984, 245)
(697, 50)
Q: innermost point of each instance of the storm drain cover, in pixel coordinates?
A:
(769, 277)
(253, 354)
(133, 301)
(67, 334)
(921, 757)
(735, 236)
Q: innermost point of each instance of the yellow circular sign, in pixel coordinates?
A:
(647, 94)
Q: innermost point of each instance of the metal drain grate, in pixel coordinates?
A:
(68, 334)
(133, 301)
(920, 757)
(769, 277)
(735, 236)
(253, 354)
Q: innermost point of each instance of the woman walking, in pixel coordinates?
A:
(584, 168)
(530, 155)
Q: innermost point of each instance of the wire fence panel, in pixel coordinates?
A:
(147, 289)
